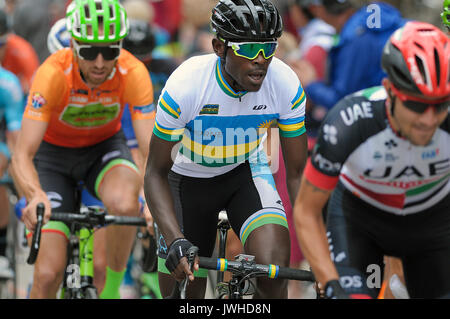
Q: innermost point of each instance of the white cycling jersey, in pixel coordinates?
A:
(218, 127)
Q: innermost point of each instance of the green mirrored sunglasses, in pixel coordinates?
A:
(250, 50)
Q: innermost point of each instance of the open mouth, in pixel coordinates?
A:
(257, 76)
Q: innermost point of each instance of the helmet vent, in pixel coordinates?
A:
(421, 67)
(438, 67)
(400, 77)
(87, 12)
(419, 46)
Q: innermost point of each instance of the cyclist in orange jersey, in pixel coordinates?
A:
(71, 132)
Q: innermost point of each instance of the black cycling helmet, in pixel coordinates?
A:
(246, 20)
(140, 40)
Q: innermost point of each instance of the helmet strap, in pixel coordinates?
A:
(392, 99)
(235, 83)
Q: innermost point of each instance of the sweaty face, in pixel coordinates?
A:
(96, 72)
(241, 73)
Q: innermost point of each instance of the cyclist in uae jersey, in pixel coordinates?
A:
(216, 105)
(385, 152)
(71, 132)
(11, 109)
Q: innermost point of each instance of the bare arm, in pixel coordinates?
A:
(157, 190)
(311, 230)
(160, 200)
(295, 153)
(24, 172)
(143, 131)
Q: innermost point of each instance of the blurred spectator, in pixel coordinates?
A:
(142, 10)
(355, 59)
(317, 38)
(32, 20)
(140, 41)
(287, 46)
(195, 34)
(168, 15)
(16, 54)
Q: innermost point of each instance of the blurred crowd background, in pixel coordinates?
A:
(183, 24)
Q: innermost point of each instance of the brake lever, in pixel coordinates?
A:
(191, 253)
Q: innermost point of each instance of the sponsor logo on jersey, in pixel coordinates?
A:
(430, 154)
(326, 165)
(259, 107)
(55, 199)
(377, 156)
(91, 115)
(210, 109)
(390, 144)
(330, 134)
(37, 100)
(353, 113)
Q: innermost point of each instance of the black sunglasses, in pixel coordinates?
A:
(90, 52)
(418, 106)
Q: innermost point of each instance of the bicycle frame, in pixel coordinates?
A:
(80, 281)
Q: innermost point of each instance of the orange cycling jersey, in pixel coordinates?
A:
(78, 116)
(21, 59)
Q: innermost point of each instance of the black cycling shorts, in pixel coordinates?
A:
(61, 170)
(247, 193)
(360, 235)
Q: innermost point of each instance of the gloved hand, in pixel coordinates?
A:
(334, 290)
(177, 250)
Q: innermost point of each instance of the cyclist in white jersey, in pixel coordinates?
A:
(385, 154)
(218, 106)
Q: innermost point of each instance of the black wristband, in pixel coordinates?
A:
(334, 290)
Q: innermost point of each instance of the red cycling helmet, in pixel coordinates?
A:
(416, 59)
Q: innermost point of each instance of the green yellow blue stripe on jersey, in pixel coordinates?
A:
(168, 134)
(299, 98)
(214, 141)
(217, 155)
(169, 105)
(226, 88)
(263, 217)
(292, 127)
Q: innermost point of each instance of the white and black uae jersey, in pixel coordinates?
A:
(358, 147)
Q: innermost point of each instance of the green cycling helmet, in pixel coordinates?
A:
(87, 18)
(445, 15)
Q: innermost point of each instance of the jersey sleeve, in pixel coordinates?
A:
(291, 121)
(336, 141)
(46, 92)
(12, 100)
(138, 93)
